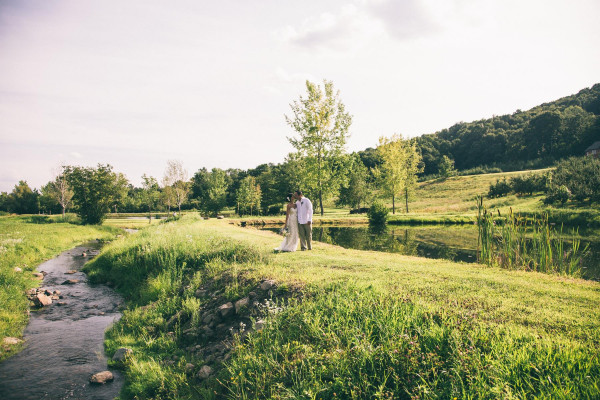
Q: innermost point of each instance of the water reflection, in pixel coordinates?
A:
(456, 243)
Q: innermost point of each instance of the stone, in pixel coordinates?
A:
(201, 293)
(38, 275)
(208, 318)
(47, 292)
(11, 340)
(42, 300)
(32, 292)
(61, 303)
(57, 292)
(70, 281)
(252, 294)
(258, 325)
(70, 272)
(54, 297)
(189, 366)
(220, 217)
(17, 269)
(84, 254)
(268, 284)
(241, 304)
(121, 354)
(102, 377)
(226, 309)
(204, 372)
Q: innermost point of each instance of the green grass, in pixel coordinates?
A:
(366, 325)
(25, 245)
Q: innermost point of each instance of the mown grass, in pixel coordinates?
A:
(369, 324)
(24, 244)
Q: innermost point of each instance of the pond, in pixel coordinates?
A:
(450, 242)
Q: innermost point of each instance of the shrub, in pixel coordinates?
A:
(558, 194)
(581, 175)
(378, 214)
(500, 189)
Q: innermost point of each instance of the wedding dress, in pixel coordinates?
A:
(290, 242)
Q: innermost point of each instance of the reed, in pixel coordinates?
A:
(532, 244)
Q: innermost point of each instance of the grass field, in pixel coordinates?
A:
(364, 324)
(24, 245)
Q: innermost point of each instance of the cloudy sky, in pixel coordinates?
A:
(135, 83)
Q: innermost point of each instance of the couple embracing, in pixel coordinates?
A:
(298, 223)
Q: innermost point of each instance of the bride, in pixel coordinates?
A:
(290, 242)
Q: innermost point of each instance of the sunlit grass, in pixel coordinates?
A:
(371, 324)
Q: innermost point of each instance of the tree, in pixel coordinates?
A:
(413, 165)
(447, 167)
(168, 196)
(248, 196)
(400, 166)
(150, 193)
(177, 177)
(23, 200)
(95, 190)
(59, 190)
(357, 190)
(321, 123)
(215, 196)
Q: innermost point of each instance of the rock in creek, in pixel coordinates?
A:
(11, 340)
(70, 272)
(42, 300)
(121, 354)
(70, 281)
(38, 275)
(102, 377)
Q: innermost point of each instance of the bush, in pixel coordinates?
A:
(274, 210)
(378, 214)
(558, 194)
(500, 189)
(581, 175)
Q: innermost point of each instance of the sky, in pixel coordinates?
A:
(139, 82)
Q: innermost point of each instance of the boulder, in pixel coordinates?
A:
(226, 309)
(258, 325)
(38, 275)
(70, 272)
(205, 372)
(241, 304)
(42, 300)
(268, 284)
(121, 354)
(102, 377)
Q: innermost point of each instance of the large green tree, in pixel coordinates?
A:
(321, 124)
(248, 196)
(95, 190)
(150, 193)
(23, 200)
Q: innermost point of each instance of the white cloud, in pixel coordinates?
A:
(349, 29)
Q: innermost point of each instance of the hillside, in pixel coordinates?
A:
(522, 140)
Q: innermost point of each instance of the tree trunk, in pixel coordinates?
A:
(406, 196)
(149, 215)
(321, 201)
(393, 204)
(63, 211)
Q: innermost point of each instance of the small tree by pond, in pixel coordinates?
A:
(378, 214)
(95, 190)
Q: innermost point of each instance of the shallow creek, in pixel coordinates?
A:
(64, 342)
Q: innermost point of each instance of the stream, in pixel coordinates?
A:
(64, 342)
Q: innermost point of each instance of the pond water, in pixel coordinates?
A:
(64, 342)
(451, 242)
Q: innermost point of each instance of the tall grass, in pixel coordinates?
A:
(533, 244)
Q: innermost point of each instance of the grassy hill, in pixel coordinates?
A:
(339, 323)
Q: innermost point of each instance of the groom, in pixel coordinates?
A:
(305, 213)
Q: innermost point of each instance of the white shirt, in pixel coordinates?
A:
(305, 211)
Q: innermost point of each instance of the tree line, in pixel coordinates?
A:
(321, 166)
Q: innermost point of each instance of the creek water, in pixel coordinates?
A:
(451, 242)
(64, 343)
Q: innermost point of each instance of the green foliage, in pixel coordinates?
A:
(378, 214)
(248, 196)
(499, 189)
(210, 188)
(22, 199)
(544, 134)
(95, 190)
(581, 176)
(520, 184)
(321, 122)
(357, 190)
(515, 242)
(447, 167)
